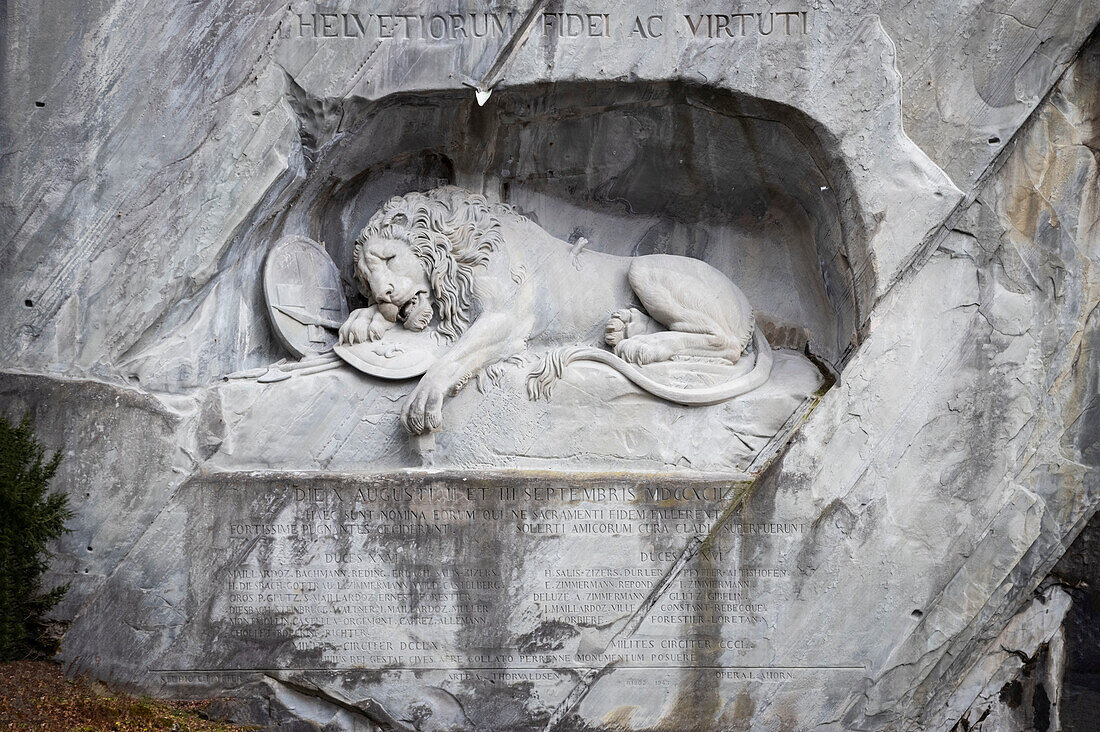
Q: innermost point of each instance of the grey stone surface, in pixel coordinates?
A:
(906, 195)
(1077, 571)
(1018, 682)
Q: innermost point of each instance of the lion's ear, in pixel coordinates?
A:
(399, 219)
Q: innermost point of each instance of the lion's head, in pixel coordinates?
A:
(423, 244)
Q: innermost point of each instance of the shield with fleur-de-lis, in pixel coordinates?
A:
(305, 300)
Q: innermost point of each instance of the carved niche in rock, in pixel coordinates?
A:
(493, 285)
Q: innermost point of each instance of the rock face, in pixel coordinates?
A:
(891, 214)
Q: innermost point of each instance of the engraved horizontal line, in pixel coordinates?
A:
(503, 668)
(489, 475)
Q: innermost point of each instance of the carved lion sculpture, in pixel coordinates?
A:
(500, 284)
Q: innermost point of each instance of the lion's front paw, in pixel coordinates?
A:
(378, 328)
(642, 350)
(423, 410)
(357, 328)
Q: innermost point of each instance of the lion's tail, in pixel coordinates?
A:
(542, 379)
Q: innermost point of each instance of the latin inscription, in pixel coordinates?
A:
(428, 576)
(459, 27)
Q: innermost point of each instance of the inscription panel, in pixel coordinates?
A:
(500, 575)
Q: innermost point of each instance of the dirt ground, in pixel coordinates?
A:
(35, 695)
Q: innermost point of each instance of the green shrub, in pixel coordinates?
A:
(30, 518)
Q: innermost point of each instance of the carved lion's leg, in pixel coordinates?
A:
(666, 345)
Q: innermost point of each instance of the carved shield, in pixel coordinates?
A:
(400, 354)
(305, 301)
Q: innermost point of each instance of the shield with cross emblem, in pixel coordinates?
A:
(304, 298)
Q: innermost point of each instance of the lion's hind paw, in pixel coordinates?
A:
(622, 325)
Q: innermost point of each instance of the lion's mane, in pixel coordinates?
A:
(452, 232)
